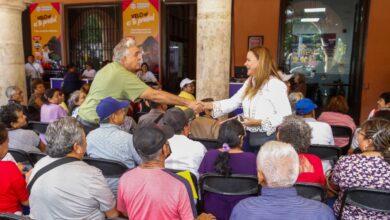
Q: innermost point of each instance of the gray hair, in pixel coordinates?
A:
(61, 135)
(151, 157)
(295, 131)
(279, 164)
(74, 97)
(294, 97)
(120, 50)
(10, 91)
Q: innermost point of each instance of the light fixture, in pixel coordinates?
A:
(310, 19)
(314, 10)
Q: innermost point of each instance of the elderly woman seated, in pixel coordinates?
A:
(72, 190)
(27, 140)
(337, 114)
(295, 131)
(368, 169)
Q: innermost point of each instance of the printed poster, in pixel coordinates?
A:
(141, 21)
(46, 33)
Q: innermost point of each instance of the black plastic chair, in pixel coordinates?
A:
(310, 191)
(20, 156)
(35, 157)
(109, 168)
(369, 199)
(208, 143)
(235, 184)
(343, 132)
(39, 127)
(325, 152)
(9, 216)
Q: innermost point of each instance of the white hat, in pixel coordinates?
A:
(185, 81)
(285, 77)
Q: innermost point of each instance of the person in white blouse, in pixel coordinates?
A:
(89, 72)
(263, 98)
(145, 75)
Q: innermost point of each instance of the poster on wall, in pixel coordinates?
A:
(46, 33)
(141, 21)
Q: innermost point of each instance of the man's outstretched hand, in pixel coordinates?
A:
(196, 106)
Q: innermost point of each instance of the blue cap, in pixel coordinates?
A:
(109, 105)
(305, 106)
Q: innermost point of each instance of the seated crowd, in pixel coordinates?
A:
(165, 142)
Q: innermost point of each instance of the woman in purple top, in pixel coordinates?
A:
(50, 110)
(368, 170)
(230, 159)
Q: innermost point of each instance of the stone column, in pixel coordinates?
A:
(11, 47)
(213, 49)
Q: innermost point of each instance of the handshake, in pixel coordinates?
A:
(199, 106)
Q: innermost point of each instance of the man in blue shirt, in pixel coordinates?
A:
(278, 169)
(109, 141)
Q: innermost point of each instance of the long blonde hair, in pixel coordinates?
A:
(265, 69)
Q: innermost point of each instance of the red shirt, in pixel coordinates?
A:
(310, 169)
(12, 187)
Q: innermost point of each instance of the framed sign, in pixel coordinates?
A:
(255, 41)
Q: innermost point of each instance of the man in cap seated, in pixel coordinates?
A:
(277, 171)
(109, 141)
(187, 87)
(321, 131)
(186, 153)
(149, 191)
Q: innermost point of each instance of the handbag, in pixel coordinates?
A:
(257, 139)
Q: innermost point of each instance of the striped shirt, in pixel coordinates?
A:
(281, 203)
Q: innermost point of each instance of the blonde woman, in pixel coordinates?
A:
(263, 98)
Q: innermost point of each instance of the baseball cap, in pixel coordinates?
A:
(109, 105)
(175, 118)
(148, 140)
(186, 81)
(305, 106)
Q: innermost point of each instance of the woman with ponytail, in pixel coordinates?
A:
(368, 169)
(229, 159)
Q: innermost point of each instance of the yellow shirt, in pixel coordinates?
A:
(185, 95)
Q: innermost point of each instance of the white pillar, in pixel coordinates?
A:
(11, 47)
(213, 48)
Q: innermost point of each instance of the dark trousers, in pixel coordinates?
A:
(88, 126)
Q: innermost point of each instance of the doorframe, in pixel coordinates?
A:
(164, 52)
(357, 54)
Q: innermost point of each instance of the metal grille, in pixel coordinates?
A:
(93, 31)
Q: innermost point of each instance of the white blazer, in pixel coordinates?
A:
(270, 105)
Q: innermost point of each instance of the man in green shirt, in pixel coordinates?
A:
(118, 80)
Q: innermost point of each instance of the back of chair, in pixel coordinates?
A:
(193, 177)
(39, 127)
(311, 191)
(325, 152)
(109, 168)
(209, 144)
(236, 184)
(369, 199)
(35, 157)
(343, 132)
(20, 156)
